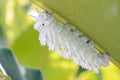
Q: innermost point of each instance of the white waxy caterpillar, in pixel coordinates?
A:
(70, 44)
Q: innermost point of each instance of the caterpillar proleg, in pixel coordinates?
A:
(71, 44)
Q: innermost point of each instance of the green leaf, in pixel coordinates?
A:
(99, 20)
(14, 69)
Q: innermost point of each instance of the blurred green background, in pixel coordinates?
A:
(17, 33)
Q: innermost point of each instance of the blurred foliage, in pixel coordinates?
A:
(80, 70)
(21, 37)
(2, 35)
(4, 77)
(2, 38)
(14, 69)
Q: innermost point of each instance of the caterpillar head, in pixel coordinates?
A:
(42, 19)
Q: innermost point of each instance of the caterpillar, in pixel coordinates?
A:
(70, 43)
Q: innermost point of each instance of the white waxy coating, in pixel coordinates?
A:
(60, 38)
